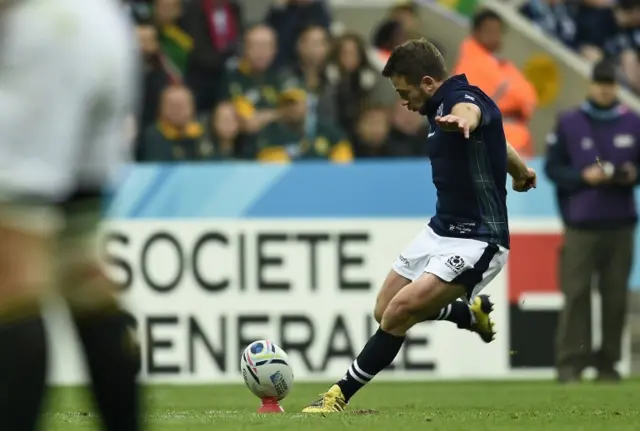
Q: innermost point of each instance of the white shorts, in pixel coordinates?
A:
(464, 261)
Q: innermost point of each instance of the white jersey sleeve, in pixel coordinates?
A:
(67, 87)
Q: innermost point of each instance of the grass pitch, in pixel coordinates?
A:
(397, 406)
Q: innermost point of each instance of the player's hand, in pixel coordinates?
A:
(526, 181)
(453, 123)
(628, 174)
(595, 175)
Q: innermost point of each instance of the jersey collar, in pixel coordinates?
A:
(430, 107)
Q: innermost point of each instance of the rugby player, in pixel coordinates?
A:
(67, 78)
(466, 244)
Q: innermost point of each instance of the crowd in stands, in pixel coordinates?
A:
(597, 29)
(283, 89)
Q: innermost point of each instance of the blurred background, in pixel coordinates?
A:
(293, 88)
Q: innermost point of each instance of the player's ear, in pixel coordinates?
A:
(427, 83)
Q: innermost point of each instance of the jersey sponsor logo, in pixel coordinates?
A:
(466, 96)
(462, 228)
(552, 139)
(586, 143)
(456, 263)
(623, 141)
(404, 261)
(440, 110)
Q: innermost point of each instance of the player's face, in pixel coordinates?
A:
(604, 94)
(413, 97)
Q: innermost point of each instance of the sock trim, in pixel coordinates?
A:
(444, 312)
(358, 375)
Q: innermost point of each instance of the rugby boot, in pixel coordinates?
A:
(331, 401)
(482, 325)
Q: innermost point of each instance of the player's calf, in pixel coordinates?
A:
(423, 299)
(109, 345)
(22, 332)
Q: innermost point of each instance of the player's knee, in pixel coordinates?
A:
(397, 318)
(379, 309)
(87, 289)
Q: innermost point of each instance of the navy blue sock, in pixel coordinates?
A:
(457, 312)
(23, 365)
(377, 354)
(113, 359)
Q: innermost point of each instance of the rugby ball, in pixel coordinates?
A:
(266, 370)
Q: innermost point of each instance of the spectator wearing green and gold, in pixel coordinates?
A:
(299, 134)
(224, 140)
(175, 43)
(255, 85)
(176, 135)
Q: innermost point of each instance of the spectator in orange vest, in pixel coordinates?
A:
(499, 78)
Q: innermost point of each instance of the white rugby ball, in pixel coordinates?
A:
(266, 370)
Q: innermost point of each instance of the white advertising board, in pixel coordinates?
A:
(202, 290)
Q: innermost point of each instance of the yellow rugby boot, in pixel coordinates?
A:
(483, 325)
(331, 401)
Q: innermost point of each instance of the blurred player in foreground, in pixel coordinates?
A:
(466, 244)
(67, 71)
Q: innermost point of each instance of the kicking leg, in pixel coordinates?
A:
(475, 317)
(423, 297)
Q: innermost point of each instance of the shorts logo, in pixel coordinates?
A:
(404, 260)
(456, 263)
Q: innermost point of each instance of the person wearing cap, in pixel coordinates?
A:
(593, 159)
(299, 134)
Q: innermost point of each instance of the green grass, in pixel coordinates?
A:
(399, 406)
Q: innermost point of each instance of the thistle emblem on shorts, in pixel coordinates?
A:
(456, 263)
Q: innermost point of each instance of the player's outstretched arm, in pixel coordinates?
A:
(524, 178)
(464, 118)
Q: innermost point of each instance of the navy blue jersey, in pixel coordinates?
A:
(469, 174)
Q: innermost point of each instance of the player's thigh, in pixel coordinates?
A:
(393, 284)
(407, 267)
(26, 239)
(82, 280)
(466, 262)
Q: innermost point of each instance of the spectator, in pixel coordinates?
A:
(356, 80)
(140, 10)
(388, 35)
(555, 17)
(289, 18)
(155, 76)
(176, 135)
(596, 29)
(499, 78)
(372, 133)
(407, 14)
(310, 72)
(299, 136)
(255, 84)
(216, 26)
(625, 44)
(409, 132)
(175, 42)
(224, 140)
(599, 212)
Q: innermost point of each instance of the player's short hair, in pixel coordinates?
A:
(483, 16)
(415, 59)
